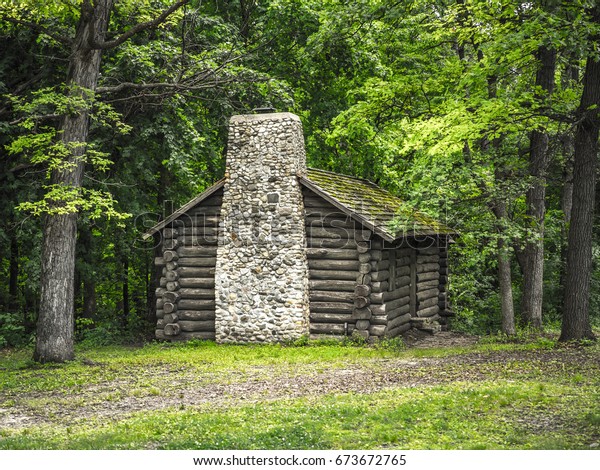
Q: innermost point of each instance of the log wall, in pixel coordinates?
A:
(337, 303)
(429, 283)
(185, 305)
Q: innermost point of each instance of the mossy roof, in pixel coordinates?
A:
(373, 206)
(364, 201)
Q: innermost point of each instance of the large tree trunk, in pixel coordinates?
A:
(13, 280)
(56, 316)
(576, 319)
(533, 256)
(504, 273)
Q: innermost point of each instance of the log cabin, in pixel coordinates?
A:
(276, 251)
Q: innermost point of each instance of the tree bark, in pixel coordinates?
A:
(504, 274)
(576, 319)
(54, 341)
(533, 256)
(13, 280)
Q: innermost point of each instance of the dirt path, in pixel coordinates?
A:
(114, 400)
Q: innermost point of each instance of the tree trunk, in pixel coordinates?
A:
(576, 319)
(13, 280)
(54, 341)
(533, 256)
(504, 274)
(125, 289)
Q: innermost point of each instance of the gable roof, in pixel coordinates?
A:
(183, 209)
(374, 207)
(364, 201)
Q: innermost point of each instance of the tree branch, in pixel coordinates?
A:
(37, 27)
(138, 28)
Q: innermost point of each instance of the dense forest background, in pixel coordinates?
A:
(470, 110)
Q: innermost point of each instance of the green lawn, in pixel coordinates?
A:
(328, 396)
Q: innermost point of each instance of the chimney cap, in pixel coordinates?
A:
(264, 110)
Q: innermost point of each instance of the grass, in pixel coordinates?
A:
(489, 396)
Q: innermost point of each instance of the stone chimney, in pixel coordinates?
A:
(261, 275)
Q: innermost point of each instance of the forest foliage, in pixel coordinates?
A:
(436, 100)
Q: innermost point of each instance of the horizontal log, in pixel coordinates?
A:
(159, 261)
(170, 296)
(337, 233)
(331, 307)
(328, 328)
(170, 233)
(195, 293)
(312, 242)
(362, 324)
(379, 320)
(329, 213)
(172, 285)
(392, 304)
(378, 255)
(318, 317)
(377, 330)
(381, 297)
(402, 281)
(364, 313)
(364, 268)
(186, 336)
(428, 267)
(172, 329)
(210, 261)
(361, 302)
(318, 219)
(171, 317)
(330, 296)
(378, 309)
(346, 265)
(170, 307)
(380, 275)
(160, 313)
(363, 278)
(202, 282)
(200, 230)
(170, 244)
(196, 315)
(380, 265)
(362, 290)
(201, 211)
(196, 304)
(172, 265)
(160, 302)
(428, 312)
(403, 252)
(163, 282)
(426, 285)
(428, 259)
(185, 271)
(332, 285)
(332, 275)
(403, 310)
(160, 324)
(171, 276)
(397, 331)
(430, 302)
(380, 286)
(399, 320)
(208, 239)
(426, 294)
(363, 247)
(402, 271)
(332, 253)
(427, 276)
(196, 251)
(364, 257)
(403, 261)
(190, 325)
(430, 250)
